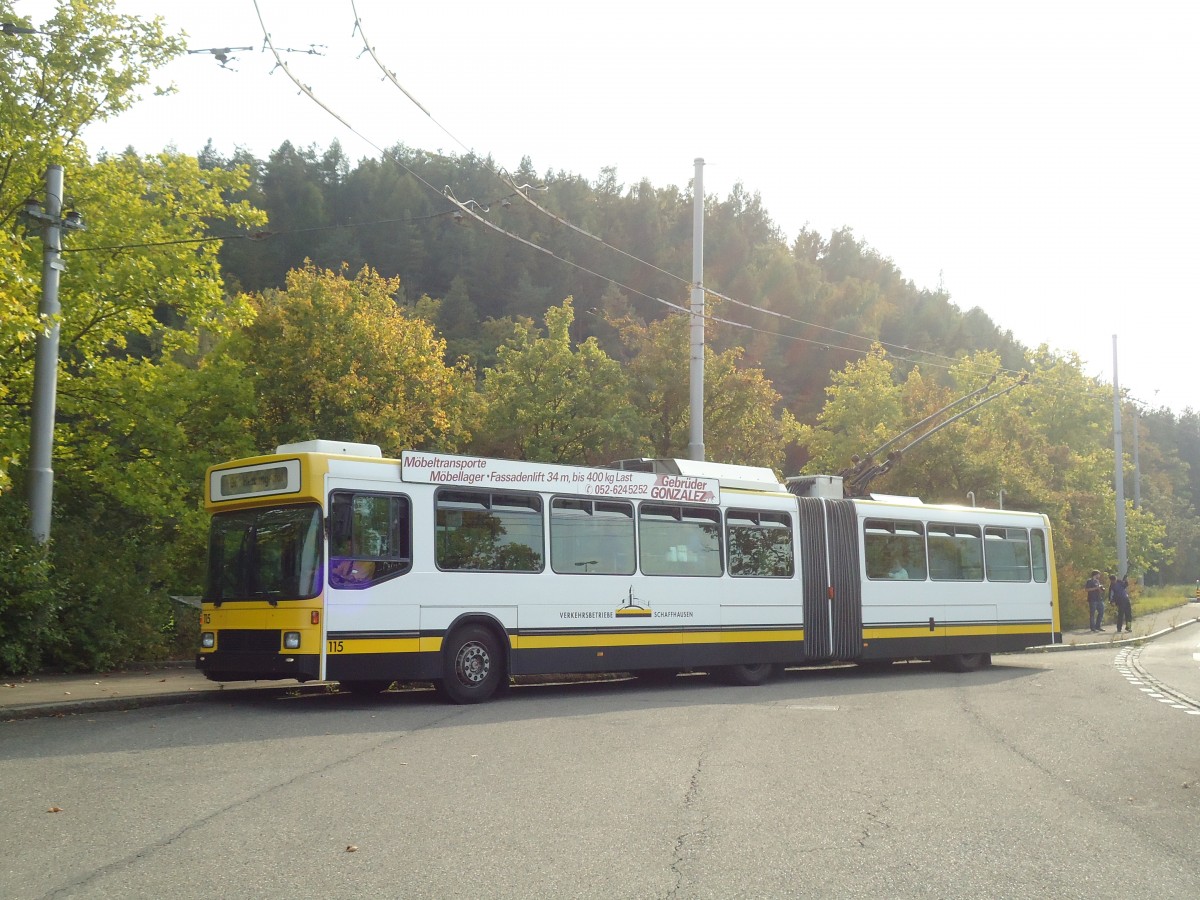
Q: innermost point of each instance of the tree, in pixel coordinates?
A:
(1046, 444)
(545, 401)
(141, 288)
(863, 409)
(741, 424)
(335, 357)
(86, 64)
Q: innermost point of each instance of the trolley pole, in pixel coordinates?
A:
(696, 358)
(45, 369)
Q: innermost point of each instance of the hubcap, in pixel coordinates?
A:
(472, 663)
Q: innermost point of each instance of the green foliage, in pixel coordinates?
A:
(545, 401)
(740, 420)
(87, 66)
(336, 357)
(28, 624)
(1047, 445)
(137, 420)
(164, 372)
(862, 410)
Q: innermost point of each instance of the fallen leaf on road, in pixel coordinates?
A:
(54, 809)
(351, 848)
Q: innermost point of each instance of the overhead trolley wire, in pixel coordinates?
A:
(521, 191)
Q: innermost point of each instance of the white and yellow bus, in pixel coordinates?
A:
(328, 561)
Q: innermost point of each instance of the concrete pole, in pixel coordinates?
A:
(696, 359)
(1119, 472)
(45, 368)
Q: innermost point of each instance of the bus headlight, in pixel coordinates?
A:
(291, 640)
(208, 640)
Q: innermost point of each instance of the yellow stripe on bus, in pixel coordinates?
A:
(916, 631)
(649, 639)
(343, 647)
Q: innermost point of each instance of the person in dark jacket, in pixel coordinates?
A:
(1118, 595)
(1095, 595)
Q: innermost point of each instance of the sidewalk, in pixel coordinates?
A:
(152, 685)
(1144, 628)
(58, 695)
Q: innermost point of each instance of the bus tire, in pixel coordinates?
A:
(963, 662)
(746, 674)
(472, 665)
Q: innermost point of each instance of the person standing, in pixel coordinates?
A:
(1118, 593)
(1095, 596)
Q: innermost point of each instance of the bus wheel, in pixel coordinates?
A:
(364, 688)
(963, 662)
(473, 666)
(746, 674)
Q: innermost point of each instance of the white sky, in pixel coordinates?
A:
(1036, 159)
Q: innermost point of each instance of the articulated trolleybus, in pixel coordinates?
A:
(328, 561)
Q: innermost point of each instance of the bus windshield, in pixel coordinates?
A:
(272, 553)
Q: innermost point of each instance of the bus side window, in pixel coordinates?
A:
(759, 544)
(1006, 554)
(1037, 543)
(489, 531)
(955, 552)
(679, 540)
(894, 549)
(370, 538)
(591, 536)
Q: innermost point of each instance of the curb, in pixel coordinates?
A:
(1102, 645)
(60, 709)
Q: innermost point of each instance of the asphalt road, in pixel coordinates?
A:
(1048, 775)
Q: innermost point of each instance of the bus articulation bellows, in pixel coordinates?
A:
(329, 562)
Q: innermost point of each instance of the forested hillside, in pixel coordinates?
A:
(217, 307)
(810, 302)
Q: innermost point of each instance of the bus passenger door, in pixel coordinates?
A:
(831, 581)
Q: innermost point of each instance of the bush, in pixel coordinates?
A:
(28, 620)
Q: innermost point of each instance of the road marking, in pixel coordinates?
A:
(1128, 664)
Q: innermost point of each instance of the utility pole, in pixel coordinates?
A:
(696, 366)
(1119, 472)
(45, 369)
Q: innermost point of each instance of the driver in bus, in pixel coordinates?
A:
(351, 572)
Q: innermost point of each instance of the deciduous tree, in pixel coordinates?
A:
(335, 357)
(550, 401)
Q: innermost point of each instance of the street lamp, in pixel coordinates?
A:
(45, 369)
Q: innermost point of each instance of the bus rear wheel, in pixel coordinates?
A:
(746, 674)
(473, 666)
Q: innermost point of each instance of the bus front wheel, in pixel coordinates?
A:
(473, 665)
